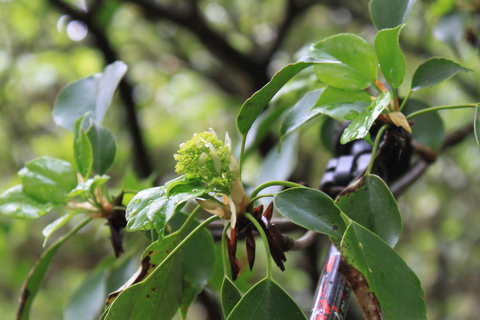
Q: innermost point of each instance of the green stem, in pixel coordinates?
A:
(187, 238)
(252, 200)
(405, 100)
(375, 147)
(190, 218)
(265, 242)
(419, 112)
(273, 183)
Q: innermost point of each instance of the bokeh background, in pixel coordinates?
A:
(191, 65)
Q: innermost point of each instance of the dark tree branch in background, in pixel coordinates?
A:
(142, 161)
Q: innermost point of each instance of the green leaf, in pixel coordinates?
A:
(266, 300)
(48, 180)
(434, 71)
(342, 104)
(57, 224)
(153, 208)
(254, 105)
(390, 13)
(104, 147)
(88, 299)
(87, 188)
(395, 285)
(311, 209)
(360, 126)
(370, 203)
(18, 205)
(88, 95)
(169, 284)
(356, 66)
(427, 128)
(390, 56)
(82, 149)
(37, 273)
(300, 113)
(279, 164)
(230, 296)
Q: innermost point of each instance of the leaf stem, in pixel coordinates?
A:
(405, 100)
(265, 242)
(187, 238)
(242, 155)
(273, 183)
(262, 196)
(419, 112)
(190, 218)
(375, 147)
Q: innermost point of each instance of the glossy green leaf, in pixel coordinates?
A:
(90, 95)
(57, 224)
(254, 105)
(390, 13)
(152, 208)
(82, 149)
(311, 209)
(48, 180)
(370, 203)
(342, 104)
(18, 205)
(427, 128)
(356, 66)
(390, 56)
(88, 299)
(170, 284)
(434, 71)
(104, 147)
(395, 285)
(230, 296)
(266, 300)
(360, 126)
(300, 113)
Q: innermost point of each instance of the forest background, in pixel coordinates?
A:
(191, 65)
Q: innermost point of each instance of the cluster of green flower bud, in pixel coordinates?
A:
(207, 159)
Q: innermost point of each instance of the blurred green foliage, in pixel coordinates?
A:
(176, 91)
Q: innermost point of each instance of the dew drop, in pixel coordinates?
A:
(136, 201)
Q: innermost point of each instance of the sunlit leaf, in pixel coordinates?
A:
(427, 128)
(434, 71)
(252, 108)
(230, 296)
(395, 285)
(311, 209)
(18, 205)
(390, 56)
(390, 13)
(360, 126)
(87, 188)
(266, 300)
(342, 104)
(48, 180)
(88, 95)
(356, 66)
(104, 147)
(152, 208)
(370, 203)
(82, 149)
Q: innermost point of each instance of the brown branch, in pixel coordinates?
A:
(142, 161)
